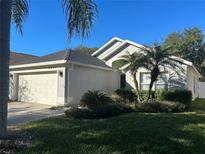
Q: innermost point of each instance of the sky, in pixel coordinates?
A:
(144, 22)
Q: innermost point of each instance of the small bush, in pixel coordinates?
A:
(100, 111)
(78, 113)
(157, 95)
(181, 96)
(124, 96)
(144, 95)
(161, 107)
(94, 98)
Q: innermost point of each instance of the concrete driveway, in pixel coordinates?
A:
(20, 112)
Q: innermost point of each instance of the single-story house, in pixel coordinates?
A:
(185, 78)
(61, 78)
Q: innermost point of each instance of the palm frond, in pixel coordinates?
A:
(20, 10)
(80, 15)
(120, 63)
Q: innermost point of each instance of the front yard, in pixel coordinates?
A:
(131, 133)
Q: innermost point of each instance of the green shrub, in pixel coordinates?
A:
(78, 113)
(125, 96)
(157, 95)
(94, 98)
(99, 111)
(181, 96)
(161, 107)
(144, 95)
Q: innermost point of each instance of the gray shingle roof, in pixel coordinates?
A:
(70, 55)
(79, 57)
(17, 58)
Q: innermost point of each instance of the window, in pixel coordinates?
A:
(161, 83)
(145, 80)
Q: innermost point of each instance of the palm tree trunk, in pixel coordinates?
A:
(150, 88)
(5, 20)
(136, 86)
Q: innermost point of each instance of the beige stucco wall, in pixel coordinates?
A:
(192, 82)
(185, 78)
(80, 79)
(201, 89)
(177, 77)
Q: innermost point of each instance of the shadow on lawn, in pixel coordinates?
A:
(132, 133)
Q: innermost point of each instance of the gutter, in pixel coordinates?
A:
(57, 62)
(89, 65)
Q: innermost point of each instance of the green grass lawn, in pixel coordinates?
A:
(127, 134)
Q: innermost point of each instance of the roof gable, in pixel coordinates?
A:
(109, 55)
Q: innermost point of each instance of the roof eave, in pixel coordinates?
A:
(89, 65)
(48, 63)
(108, 43)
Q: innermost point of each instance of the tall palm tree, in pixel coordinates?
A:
(80, 15)
(157, 58)
(132, 62)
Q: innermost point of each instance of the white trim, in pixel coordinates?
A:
(113, 50)
(36, 70)
(109, 42)
(88, 65)
(109, 51)
(121, 45)
(51, 63)
(38, 64)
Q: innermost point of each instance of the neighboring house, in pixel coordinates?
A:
(60, 78)
(185, 78)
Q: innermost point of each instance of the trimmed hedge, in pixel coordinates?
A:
(181, 96)
(161, 107)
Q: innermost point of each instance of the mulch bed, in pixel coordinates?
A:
(16, 141)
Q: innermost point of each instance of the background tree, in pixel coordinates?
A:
(131, 62)
(158, 57)
(85, 50)
(80, 15)
(174, 40)
(188, 44)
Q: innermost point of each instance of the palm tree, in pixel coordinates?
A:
(80, 15)
(158, 57)
(132, 62)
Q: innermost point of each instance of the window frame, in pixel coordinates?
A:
(155, 84)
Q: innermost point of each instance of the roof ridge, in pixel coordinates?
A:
(23, 54)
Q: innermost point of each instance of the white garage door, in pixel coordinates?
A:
(38, 88)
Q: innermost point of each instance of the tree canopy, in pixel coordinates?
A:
(190, 45)
(86, 50)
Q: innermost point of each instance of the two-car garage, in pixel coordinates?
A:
(60, 78)
(38, 88)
